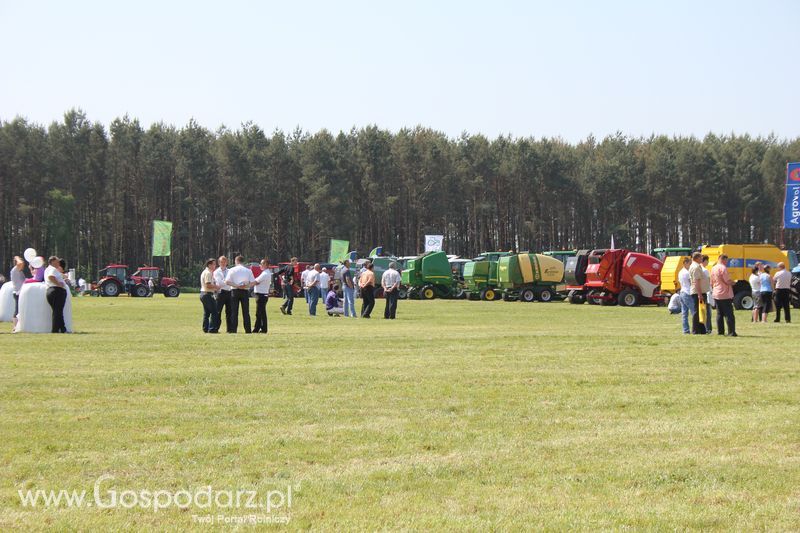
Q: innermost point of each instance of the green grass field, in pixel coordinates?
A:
(458, 415)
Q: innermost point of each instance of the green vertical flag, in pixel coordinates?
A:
(338, 250)
(162, 238)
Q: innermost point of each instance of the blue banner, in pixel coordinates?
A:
(791, 206)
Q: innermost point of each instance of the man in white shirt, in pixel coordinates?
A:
(56, 294)
(324, 283)
(261, 290)
(390, 281)
(304, 277)
(207, 289)
(687, 305)
(240, 278)
(312, 289)
(224, 292)
(696, 278)
(783, 292)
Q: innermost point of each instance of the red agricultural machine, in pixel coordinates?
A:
(611, 277)
(114, 280)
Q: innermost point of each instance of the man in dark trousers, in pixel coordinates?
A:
(366, 282)
(261, 292)
(56, 293)
(240, 278)
(224, 294)
(287, 283)
(390, 281)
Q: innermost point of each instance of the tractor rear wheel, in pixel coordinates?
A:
(527, 295)
(140, 291)
(628, 298)
(428, 293)
(172, 292)
(544, 295)
(488, 294)
(109, 288)
(743, 300)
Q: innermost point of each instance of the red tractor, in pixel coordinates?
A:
(114, 280)
(610, 277)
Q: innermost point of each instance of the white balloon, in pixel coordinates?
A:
(29, 254)
(37, 262)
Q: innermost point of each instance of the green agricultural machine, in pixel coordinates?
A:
(529, 277)
(430, 276)
(663, 253)
(480, 276)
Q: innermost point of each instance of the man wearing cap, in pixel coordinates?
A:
(783, 285)
(56, 293)
(390, 281)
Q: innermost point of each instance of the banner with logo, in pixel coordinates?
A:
(162, 238)
(338, 250)
(791, 206)
(376, 252)
(433, 243)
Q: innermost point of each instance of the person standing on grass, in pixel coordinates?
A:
(263, 284)
(224, 293)
(755, 291)
(706, 288)
(303, 278)
(687, 304)
(366, 282)
(722, 291)
(240, 279)
(312, 289)
(56, 293)
(390, 281)
(766, 293)
(17, 278)
(207, 290)
(349, 290)
(696, 278)
(324, 283)
(783, 293)
(287, 285)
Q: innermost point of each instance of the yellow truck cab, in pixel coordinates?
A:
(741, 260)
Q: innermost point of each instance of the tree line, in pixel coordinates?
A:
(89, 193)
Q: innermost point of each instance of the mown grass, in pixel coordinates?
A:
(458, 415)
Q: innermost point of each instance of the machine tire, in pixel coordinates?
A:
(172, 292)
(628, 298)
(506, 297)
(589, 298)
(109, 289)
(459, 293)
(140, 291)
(574, 297)
(402, 293)
(488, 294)
(527, 295)
(427, 293)
(544, 295)
(743, 300)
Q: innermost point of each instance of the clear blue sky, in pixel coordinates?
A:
(551, 68)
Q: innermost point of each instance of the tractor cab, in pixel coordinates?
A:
(663, 253)
(118, 272)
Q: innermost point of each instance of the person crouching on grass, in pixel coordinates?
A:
(333, 304)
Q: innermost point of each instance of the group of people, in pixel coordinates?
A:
(55, 289)
(225, 290)
(699, 288)
(771, 291)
